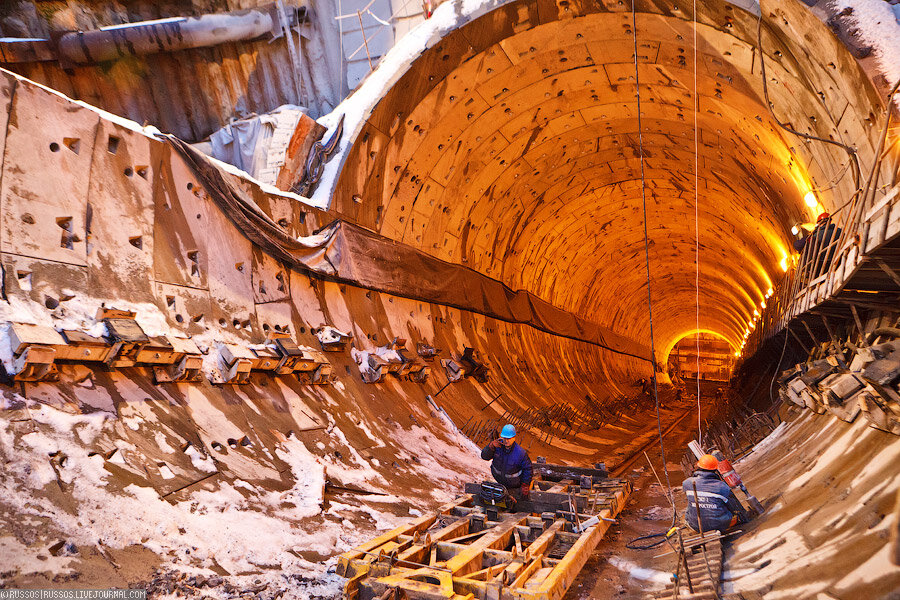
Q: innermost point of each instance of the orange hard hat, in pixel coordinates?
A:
(708, 462)
(822, 217)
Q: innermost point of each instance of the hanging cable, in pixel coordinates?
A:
(697, 222)
(637, 85)
(854, 159)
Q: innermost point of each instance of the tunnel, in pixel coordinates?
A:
(232, 359)
(658, 194)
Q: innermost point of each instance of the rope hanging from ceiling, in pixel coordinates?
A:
(697, 221)
(637, 87)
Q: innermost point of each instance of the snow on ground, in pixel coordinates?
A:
(438, 459)
(653, 579)
(239, 527)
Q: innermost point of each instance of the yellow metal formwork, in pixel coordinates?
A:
(456, 553)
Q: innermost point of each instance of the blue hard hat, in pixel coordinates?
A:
(508, 431)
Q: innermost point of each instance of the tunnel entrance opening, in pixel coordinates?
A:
(701, 355)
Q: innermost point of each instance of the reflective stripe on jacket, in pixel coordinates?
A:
(717, 503)
(511, 465)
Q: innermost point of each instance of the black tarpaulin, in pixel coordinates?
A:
(351, 254)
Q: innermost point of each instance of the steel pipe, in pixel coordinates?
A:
(144, 37)
(164, 35)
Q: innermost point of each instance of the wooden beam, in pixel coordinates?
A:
(887, 269)
(828, 328)
(802, 345)
(809, 331)
(859, 325)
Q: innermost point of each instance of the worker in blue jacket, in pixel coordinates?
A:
(511, 465)
(716, 504)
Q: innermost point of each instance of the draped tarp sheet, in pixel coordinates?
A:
(351, 254)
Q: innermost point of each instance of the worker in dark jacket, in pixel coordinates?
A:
(511, 465)
(822, 242)
(717, 505)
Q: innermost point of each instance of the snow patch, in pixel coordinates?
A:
(878, 26)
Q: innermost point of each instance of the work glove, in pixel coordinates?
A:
(495, 444)
(526, 489)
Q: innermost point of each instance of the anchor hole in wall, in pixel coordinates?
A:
(67, 240)
(266, 327)
(142, 171)
(280, 278)
(24, 279)
(222, 322)
(112, 144)
(302, 217)
(232, 443)
(239, 266)
(236, 324)
(170, 301)
(179, 318)
(283, 223)
(73, 144)
(262, 288)
(194, 257)
(137, 241)
(197, 318)
(218, 447)
(66, 295)
(128, 171)
(54, 147)
(245, 442)
(50, 302)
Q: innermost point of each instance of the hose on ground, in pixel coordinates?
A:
(659, 537)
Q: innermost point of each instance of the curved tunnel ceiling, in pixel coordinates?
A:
(512, 146)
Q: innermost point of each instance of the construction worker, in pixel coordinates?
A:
(511, 466)
(717, 505)
(822, 241)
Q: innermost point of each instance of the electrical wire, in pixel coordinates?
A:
(854, 159)
(697, 222)
(637, 85)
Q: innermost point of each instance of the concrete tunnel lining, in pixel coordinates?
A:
(505, 138)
